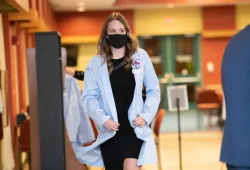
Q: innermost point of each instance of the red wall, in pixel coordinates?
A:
(86, 23)
(215, 19)
(213, 50)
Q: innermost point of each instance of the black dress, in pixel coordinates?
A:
(124, 144)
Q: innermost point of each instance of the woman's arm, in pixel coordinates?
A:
(153, 93)
(70, 71)
(91, 104)
(79, 75)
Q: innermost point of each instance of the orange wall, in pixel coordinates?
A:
(212, 51)
(215, 19)
(86, 23)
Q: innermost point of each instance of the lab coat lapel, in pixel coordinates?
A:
(136, 65)
(104, 76)
(137, 68)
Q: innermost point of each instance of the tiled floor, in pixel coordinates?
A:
(189, 121)
(200, 152)
(201, 147)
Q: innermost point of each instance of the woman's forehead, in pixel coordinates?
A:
(115, 24)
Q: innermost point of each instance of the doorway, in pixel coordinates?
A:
(177, 56)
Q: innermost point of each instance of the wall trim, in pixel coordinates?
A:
(79, 39)
(218, 33)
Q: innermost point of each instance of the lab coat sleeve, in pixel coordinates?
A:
(71, 113)
(77, 122)
(151, 83)
(91, 94)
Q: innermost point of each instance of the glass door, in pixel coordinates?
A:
(185, 64)
(176, 60)
(155, 46)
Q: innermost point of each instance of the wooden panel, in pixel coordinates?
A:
(19, 5)
(30, 40)
(22, 69)
(40, 7)
(33, 4)
(24, 4)
(219, 18)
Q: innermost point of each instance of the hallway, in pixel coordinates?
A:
(200, 151)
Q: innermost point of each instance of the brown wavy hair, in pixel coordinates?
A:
(104, 48)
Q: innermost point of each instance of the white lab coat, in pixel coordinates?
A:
(77, 123)
(99, 104)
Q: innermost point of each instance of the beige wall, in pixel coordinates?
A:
(2, 50)
(242, 16)
(86, 51)
(168, 21)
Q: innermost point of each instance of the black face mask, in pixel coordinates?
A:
(118, 40)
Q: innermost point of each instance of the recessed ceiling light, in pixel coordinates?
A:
(81, 4)
(170, 5)
(80, 9)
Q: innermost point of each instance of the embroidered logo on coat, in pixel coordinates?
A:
(136, 64)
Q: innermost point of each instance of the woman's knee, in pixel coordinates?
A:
(131, 164)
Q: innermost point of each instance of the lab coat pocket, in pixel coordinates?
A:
(143, 132)
(138, 74)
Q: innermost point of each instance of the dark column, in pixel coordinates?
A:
(50, 101)
(45, 92)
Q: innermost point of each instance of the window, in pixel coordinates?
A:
(72, 54)
(153, 47)
(184, 55)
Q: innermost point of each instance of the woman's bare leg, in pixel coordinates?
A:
(131, 164)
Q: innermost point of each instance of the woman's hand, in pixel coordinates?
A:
(111, 125)
(70, 71)
(139, 121)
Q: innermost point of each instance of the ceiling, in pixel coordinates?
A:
(93, 5)
(73, 5)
